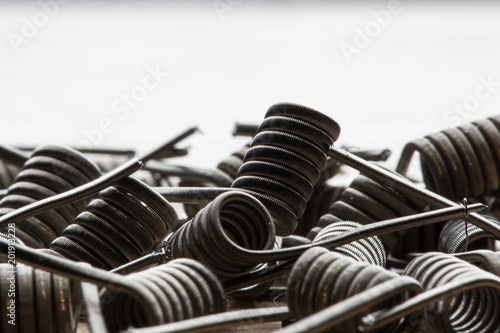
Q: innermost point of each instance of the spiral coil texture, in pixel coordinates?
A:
(50, 170)
(125, 222)
(285, 160)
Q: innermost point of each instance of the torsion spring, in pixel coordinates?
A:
(366, 201)
(125, 222)
(50, 170)
(220, 233)
(220, 244)
(458, 235)
(178, 290)
(459, 162)
(408, 188)
(83, 191)
(320, 279)
(34, 301)
(458, 297)
(285, 160)
(369, 249)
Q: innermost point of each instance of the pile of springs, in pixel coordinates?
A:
(130, 243)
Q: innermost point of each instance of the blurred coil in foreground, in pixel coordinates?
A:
(321, 278)
(39, 301)
(474, 310)
(182, 288)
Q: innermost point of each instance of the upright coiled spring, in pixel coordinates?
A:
(456, 236)
(370, 250)
(234, 221)
(125, 222)
(183, 288)
(474, 310)
(321, 278)
(285, 160)
(36, 301)
(367, 201)
(49, 170)
(459, 162)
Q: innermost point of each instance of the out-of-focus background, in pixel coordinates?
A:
(133, 74)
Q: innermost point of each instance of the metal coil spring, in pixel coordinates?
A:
(217, 234)
(42, 302)
(370, 249)
(285, 160)
(50, 170)
(321, 278)
(475, 310)
(182, 288)
(456, 237)
(367, 201)
(125, 222)
(459, 162)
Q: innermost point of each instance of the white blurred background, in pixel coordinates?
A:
(387, 72)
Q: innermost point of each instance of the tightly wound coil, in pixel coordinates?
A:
(285, 160)
(182, 289)
(50, 170)
(218, 235)
(456, 237)
(125, 222)
(43, 302)
(370, 249)
(459, 162)
(474, 310)
(321, 278)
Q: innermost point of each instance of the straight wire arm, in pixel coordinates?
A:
(220, 321)
(78, 193)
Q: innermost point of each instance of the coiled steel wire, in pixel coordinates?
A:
(459, 162)
(367, 201)
(35, 301)
(370, 249)
(218, 235)
(285, 160)
(125, 222)
(182, 288)
(458, 235)
(470, 296)
(178, 290)
(50, 170)
(320, 279)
